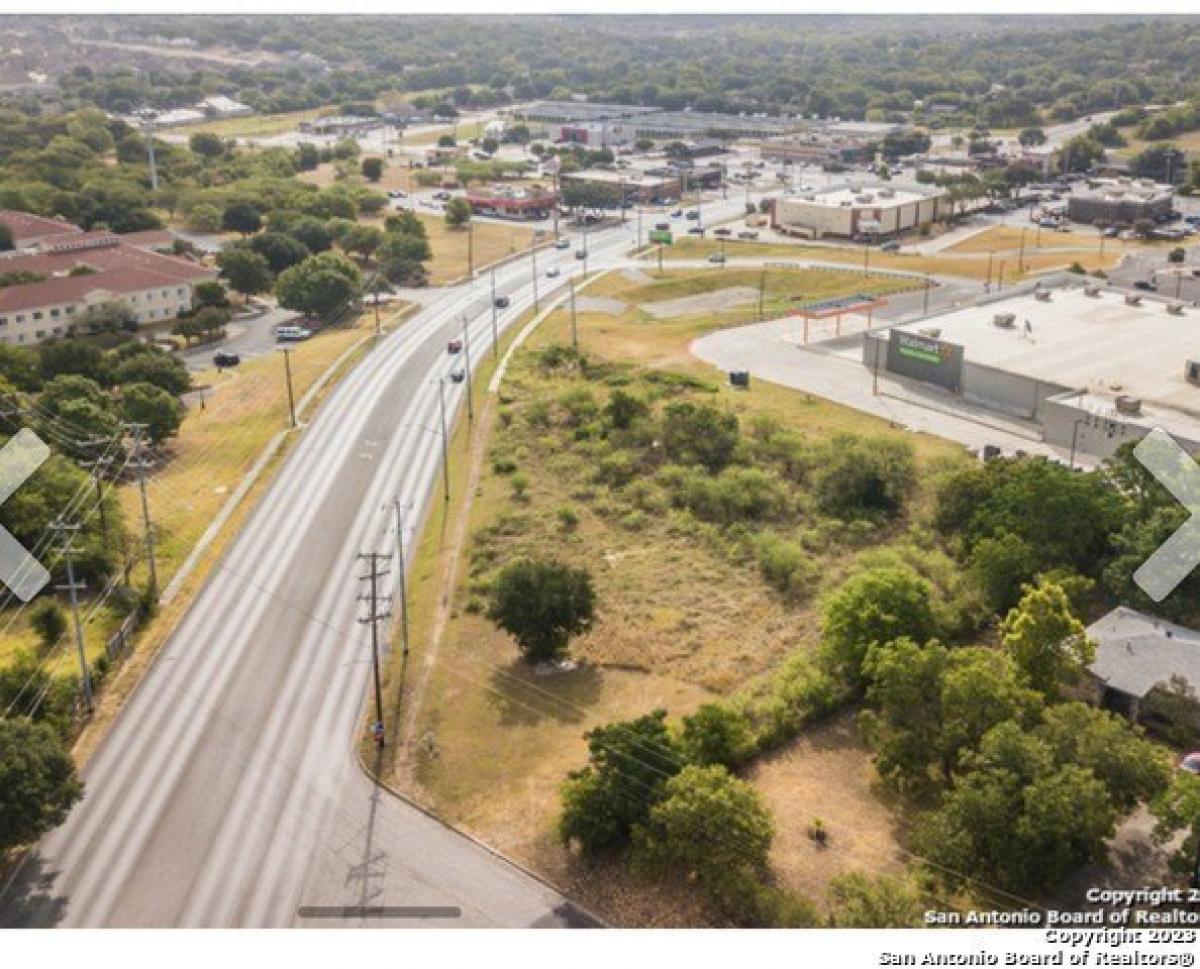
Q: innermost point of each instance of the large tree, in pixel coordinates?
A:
(542, 603)
(38, 785)
(1045, 639)
(320, 286)
(244, 270)
(708, 825)
(628, 763)
(874, 606)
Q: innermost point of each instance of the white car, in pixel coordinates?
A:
(552, 271)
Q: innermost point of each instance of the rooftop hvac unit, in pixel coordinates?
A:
(1091, 289)
(1042, 294)
(1005, 320)
(862, 199)
(1133, 299)
(1175, 308)
(887, 193)
(933, 332)
(1130, 406)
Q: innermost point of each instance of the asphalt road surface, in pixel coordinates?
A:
(227, 793)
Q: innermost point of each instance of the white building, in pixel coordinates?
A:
(853, 211)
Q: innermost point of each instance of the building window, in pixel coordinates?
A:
(40, 334)
(37, 314)
(20, 317)
(54, 314)
(70, 310)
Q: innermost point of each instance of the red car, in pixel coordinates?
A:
(454, 346)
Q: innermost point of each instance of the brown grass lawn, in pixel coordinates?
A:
(970, 262)
(827, 773)
(681, 620)
(492, 241)
(253, 125)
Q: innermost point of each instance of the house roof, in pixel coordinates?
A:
(1136, 652)
(26, 227)
(68, 289)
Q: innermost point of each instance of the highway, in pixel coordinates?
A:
(227, 793)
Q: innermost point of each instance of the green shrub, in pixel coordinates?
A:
(567, 517)
(786, 566)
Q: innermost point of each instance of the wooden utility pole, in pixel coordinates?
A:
(372, 618)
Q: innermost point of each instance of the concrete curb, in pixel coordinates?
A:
(494, 852)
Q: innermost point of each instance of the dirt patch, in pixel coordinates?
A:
(717, 301)
(826, 773)
(601, 304)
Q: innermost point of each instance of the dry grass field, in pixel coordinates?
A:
(681, 620)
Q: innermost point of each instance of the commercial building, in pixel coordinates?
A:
(578, 112)
(593, 134)
(1121, 201)
(512, 203)
(634, 188)
(854, 211)
(76, 270)
(1088, 367)
(636, 121)
(26, 229)
(340, 126)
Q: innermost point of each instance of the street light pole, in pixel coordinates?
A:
(533, 255)
(495, 332)
(445, 450)
(467, 361)
(400, 577)
(574, 321)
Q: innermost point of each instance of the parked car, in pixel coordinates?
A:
(696, 231)
(396, 194)
(693, 214)
(221, 360)
(890, 246)
(580, 253)
(717, 257)
(1145, 284)
(676, 213)
(562, 244)
(292, 334)
(747, 234)
(662, 226)
(454, 346)
(722, 232)
(502, 302)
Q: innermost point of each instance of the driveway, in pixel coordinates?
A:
(248, 338)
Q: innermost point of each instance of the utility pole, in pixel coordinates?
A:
(925, 298)
(467, 361)
(98, 467)
(660, 258)
(445, 454)
(372, 619)
(140, 465)
(287, 370)
(470, 249)
(639, 243)
(574, 320)
(495, 331)
(69, 552)
(987, 286)
(762, 294)
(585, 248)
(400, 573)
(1021, 253)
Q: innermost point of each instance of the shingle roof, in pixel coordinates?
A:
(1136, 652)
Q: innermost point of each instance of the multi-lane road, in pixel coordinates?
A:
(227, 792)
